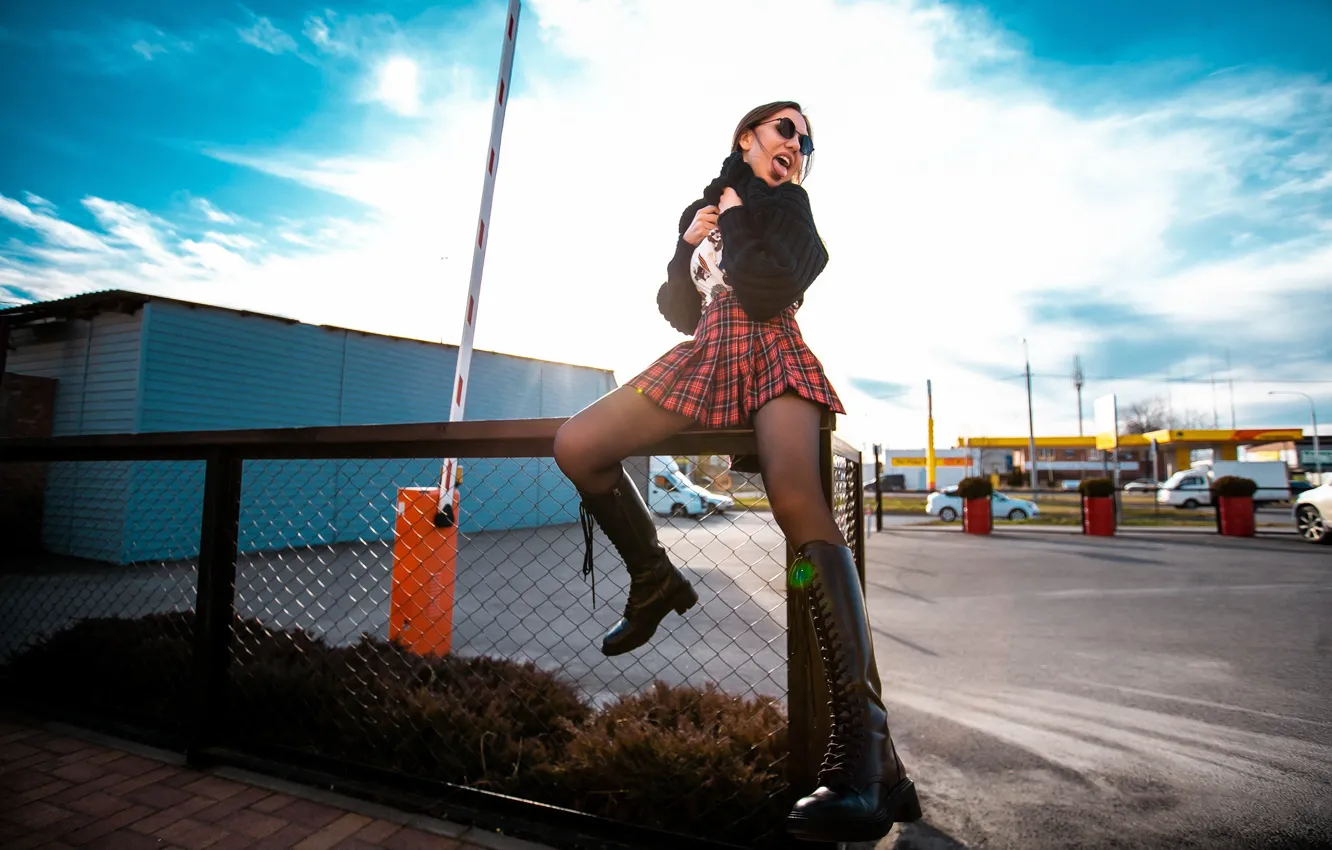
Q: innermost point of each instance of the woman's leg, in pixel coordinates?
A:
(590, 446)
(787, 430)
(863, 787)
(589, 449)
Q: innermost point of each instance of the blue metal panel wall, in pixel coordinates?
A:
(206, 368)
(213, 369)
(387, 381)
(97, 365)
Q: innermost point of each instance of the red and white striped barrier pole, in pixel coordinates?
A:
(445, 518)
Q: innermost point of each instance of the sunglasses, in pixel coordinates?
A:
(787, 128)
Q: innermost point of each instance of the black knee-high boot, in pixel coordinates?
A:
(656, 587)
(863, 786)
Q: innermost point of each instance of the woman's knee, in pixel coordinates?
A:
(571, 452)
(579, 455)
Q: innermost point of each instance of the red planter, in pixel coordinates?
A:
(976, 518)
(1098, 516)
(1235, 516)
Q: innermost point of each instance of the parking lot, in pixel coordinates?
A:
(1159, 690)
(1048, 690)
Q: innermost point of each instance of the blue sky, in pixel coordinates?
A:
(1146, 185)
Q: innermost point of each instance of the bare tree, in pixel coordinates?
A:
(1142, 417)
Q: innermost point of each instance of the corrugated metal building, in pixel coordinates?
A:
(126, 362)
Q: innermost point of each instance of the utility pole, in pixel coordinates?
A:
(1077, 382)
(1230, 378)
(1211, 367)
(1313, 414)
(929, 445)
(1031, 422)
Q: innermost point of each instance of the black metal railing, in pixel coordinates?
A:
(270, 598)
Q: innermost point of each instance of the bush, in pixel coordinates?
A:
(976, 487)
(1234, 486)
(685, 759)
(140, 667)
(679, 755)
(1097, 488)
(1017, 478)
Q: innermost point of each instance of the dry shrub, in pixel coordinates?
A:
(138, 668)
(679, 758)
(472, 721)
(684, 759)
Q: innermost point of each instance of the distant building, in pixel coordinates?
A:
(1056, 464)
(950, 467)
(123, 362)
(1298, 454)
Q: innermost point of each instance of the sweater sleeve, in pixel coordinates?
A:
(678, 300)
(772, 250)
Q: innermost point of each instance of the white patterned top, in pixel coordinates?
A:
(705, 267)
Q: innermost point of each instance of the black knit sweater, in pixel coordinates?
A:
(770, 248)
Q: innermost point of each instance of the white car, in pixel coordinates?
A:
(1313, 514)
(947, 506)
(671, 493)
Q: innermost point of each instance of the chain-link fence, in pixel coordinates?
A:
(310, 608)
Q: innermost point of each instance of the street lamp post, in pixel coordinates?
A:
(1031, 425)
(1313, 414)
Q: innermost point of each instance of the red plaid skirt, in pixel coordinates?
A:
(735, 365)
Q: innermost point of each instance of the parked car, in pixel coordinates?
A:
(889, 481)
(1140, 485)
(670, 492)
(947, 506)
(1313, 514)
(1298, 486)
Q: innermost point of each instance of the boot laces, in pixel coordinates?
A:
(585, 520)
(840, 759)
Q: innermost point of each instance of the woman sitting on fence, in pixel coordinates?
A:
(747, 251)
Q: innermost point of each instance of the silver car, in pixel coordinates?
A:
(1313, 514)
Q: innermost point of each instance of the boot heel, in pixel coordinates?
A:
(906, 805)
(685, 598)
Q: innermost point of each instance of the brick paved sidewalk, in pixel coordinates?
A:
(63, 787)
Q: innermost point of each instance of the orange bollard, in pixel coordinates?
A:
(425, 570)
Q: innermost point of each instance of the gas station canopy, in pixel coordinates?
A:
(1223, 441)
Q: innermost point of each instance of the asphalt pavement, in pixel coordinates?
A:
(1057, 691)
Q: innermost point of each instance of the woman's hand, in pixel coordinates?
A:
(705, 220)
(730, 199)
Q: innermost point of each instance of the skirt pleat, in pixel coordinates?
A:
(735, 365)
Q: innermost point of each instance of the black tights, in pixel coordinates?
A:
(590, 447)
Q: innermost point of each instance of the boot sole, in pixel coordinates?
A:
(903, 806)
(684, 598)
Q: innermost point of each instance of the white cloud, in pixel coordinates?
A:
(322, 37)
(231, 240)
(399, 86)
(949, 202)
(37, 201)
(267, 37)
(147, 49)
(352, 35)
(54, 230)
(214, 214)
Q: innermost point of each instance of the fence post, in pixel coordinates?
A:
(857, 541)
(215, 599)
(878, 489)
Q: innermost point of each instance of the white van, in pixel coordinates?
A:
(671, 493)
(1191, 488)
